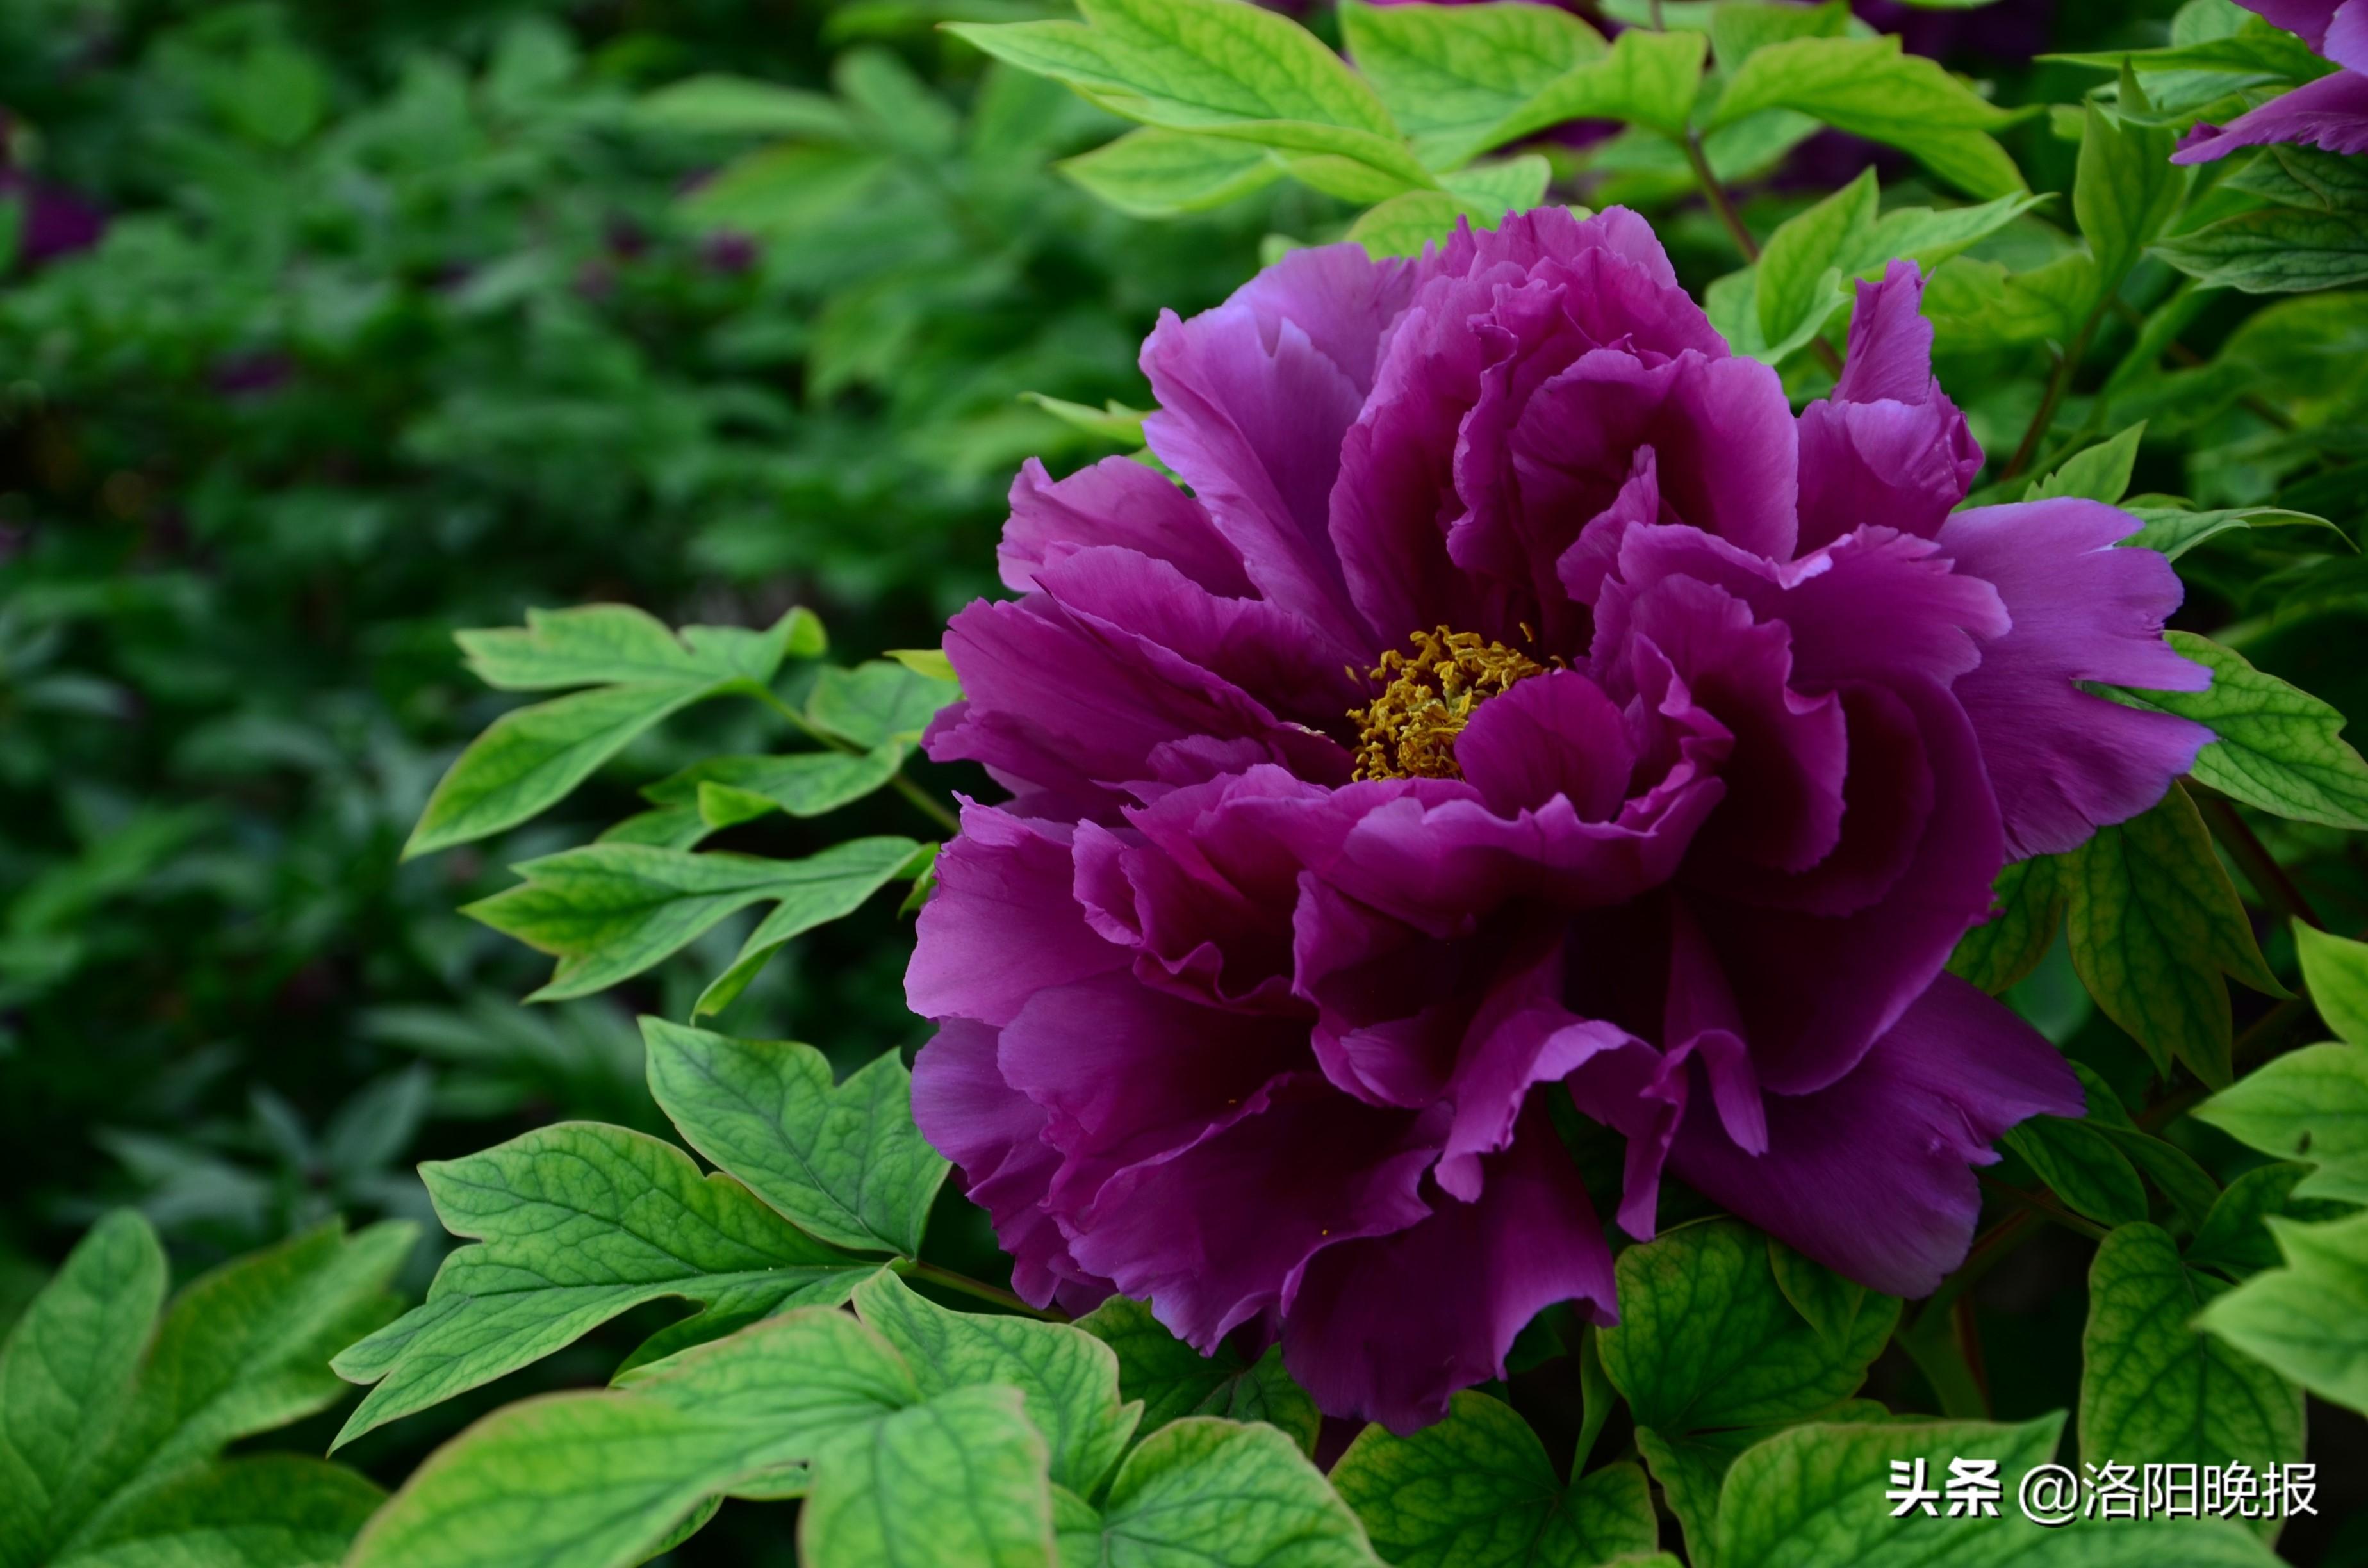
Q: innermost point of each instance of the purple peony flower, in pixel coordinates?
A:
(2331, 112)
(1522, 695)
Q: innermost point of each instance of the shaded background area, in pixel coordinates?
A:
(327, 328)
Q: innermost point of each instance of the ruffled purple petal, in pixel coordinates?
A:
(1115, 502)
(1001, 924)
(1871, 1176)
(1390, 1327)
(2330, 113)
(2063, 763)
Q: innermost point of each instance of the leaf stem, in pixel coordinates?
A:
(1736, 230)
(2046, 1207)
(2060, 382)
(937, 1274)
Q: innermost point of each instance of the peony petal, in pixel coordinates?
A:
(2063, 763)
(1869, 1176)
(1387, 1329)
(1001, 924)
(1553, 735)
(2330, 113)
(1115, 502)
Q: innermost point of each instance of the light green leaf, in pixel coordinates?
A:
(66, 1380)
(1813, 1497)
(2101, 472)
(2235, 1236)
(1070, 1378)
(274, 1511)
(2257, 52)
(2279, 747)
(2311, 1104)
(855, 869)
(843, 1163)
(597, 1479)
(1153, 173)
(784, 191)
(1120, 421)
(1174, 1381)
(742, 106)
(1405, 223)
(1647, 78)
(2305, 1320)
(574, 1224)
(1868, 87)
(957, 1483)
(610, 911)
(2275, 250)
(1447, 73)
(1477, 1491)
(1215, 66)
(2153, 922)
(803, 784)
(2335, 972)
(1996, 955)
(2174, 531)
(2154, 1390)
(2124, 190)
(1202, 1491)
(1738, 30)
(1800, 266)
(880, 701)
(1706, 1339)
(1490, 190)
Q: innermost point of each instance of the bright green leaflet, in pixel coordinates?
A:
(879, 702)
(844, 1162)
(1200, 1492)
(2305, 1320)
(2279, 747)
(575, 1223)
(2309, 1105)
(1447, 75)
(1151, 173)
(952, 1483)
(2101, 472)
(1070, 1379)
(1174, 1381)
(2124, 190)
(2335, 972)
(2153, 922)
(1475, 1490)
(2154, 1390)
(610, 911)
(110, 1424)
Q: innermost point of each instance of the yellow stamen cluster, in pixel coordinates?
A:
(1408, 731)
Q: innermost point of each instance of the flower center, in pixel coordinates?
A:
(1408, 731)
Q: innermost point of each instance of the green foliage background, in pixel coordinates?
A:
(414, 315)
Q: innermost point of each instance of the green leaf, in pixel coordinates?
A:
(843, 1163)
(2081, 1166)
(1997, 954)
(1202, 1490)
(2174, 531)
(1447, 74)
(850, 873)
(2279, 747)
(1738, 30)
(1706, 1339)
(1829, 1302)
(2154, 1390)
(2191, 1192)
(1152, 173)
(2305, 1320)
(2335, 972)
(1814, 1496)
(1490, 190)
(2259, 52)
(274, 1511)
(1173, 1381)
(880, 701)
(2303, 177)
(2311, 1104)
(531, 757)
(596, 1480)
(2235, 1236)
(1646, 78)
(1799, 269)
(574, 1224)
(803, 784)
(2101, 472)
(741, 105)
(2125, 191)
(2153, 922)
(1405, 223)
(1070, 1379)
(66, 1377)
(2275, 250)
(610, 911)
(1214, 66)
(1477, 1491)
(955, 1483)
(1868, 87)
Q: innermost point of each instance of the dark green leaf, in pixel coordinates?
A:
(878, 702)
(2235, 1236)
(1174, 1381)
(2081, 1166)
(274, 1511)
(2276, 250)
(2280, 748)
(1995, 955)
(2125, 191)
